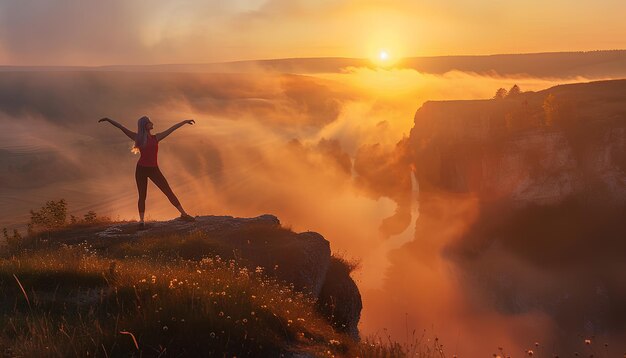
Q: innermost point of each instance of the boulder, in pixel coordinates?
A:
(340, 300)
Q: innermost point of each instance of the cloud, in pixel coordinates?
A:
(73, 32)
(286, 100)
(323, 153)
(69, 31)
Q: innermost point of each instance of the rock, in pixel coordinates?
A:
(300, 259)
(340, 299)
(207, 224)
(303, 261)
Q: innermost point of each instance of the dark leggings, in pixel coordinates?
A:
(141, 176)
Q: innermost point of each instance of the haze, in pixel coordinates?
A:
(317, 142)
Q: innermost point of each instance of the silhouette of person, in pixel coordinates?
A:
(148, 145)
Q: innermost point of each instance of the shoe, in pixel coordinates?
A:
(187, 217)
(141, 226)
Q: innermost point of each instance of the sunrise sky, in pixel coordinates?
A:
(76, 32)
(365, 155)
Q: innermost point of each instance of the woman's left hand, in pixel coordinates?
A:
(189, 121)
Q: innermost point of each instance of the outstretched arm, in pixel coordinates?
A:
(162, 135)
(132, 135)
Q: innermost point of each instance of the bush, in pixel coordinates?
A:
(90, 217)
(53, 215)
(50, 216)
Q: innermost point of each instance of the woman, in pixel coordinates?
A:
(148, 145)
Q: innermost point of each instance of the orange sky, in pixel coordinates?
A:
(75, 32)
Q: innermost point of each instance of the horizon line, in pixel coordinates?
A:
(233, 62)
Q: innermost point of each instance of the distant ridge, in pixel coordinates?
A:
(590, 64)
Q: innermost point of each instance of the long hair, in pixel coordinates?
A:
(142, 134)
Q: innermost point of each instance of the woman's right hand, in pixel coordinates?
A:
(104, 119)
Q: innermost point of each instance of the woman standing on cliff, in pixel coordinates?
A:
(148, 145)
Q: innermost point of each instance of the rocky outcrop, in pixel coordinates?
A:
(301, 259)
(534, 189)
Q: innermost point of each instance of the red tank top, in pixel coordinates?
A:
(149, 152)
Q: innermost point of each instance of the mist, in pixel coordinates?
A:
(322, 152)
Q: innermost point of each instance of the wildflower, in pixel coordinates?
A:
(245, 320)
(530, 352)
(165, 328)
(212, 334)
(221, 314)
(587, 341)
(334, 342)
(155, 295)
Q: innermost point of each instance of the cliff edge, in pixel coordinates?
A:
(301, 260)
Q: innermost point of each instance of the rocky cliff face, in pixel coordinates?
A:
(532, 148)
(544, 177)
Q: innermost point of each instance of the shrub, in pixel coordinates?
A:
(50, 216)
(90, 217)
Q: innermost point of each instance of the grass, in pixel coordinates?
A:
(155, 297)
(76, 302)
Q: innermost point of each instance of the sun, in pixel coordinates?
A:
(383, 55)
